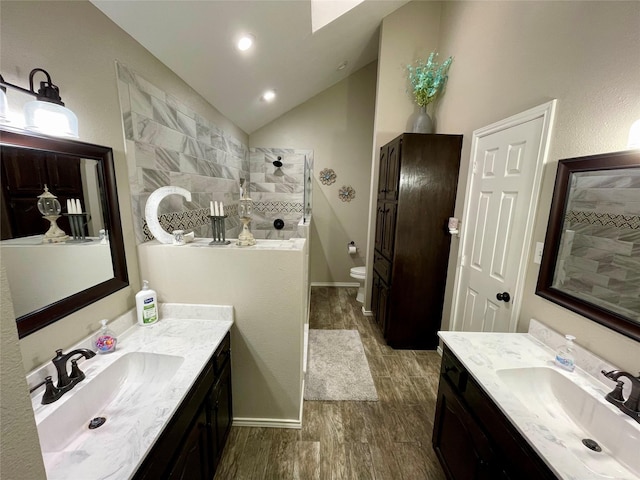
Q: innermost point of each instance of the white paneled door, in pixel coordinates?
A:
(502, 192)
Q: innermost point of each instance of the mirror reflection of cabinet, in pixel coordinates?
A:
(24, 176)
(71, 169)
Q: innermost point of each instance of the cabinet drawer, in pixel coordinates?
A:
(222, 355)
(382, 266)
(453, 371)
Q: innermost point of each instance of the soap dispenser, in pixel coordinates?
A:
(564, 357)
(105, 340)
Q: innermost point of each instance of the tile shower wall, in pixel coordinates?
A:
(278, 192)
(602, 241)
(167, 144)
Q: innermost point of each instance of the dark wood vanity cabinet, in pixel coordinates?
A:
(472, 438)
(192, 442)
(416, 196)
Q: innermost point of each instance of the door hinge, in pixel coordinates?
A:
(475, 167)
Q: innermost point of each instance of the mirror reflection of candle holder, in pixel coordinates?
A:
(219, 231)
(77, 221)
(245, 207)
(49, 207)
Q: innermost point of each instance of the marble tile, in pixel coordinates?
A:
(167, 160)
(145, 155)
(141, 103)
(127, 124)
(175, 103)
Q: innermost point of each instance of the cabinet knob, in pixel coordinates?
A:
(503, 297)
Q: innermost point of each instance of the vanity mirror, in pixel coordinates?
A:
(591, 258)
(51, 280)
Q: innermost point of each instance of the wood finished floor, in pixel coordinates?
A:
(385, 440)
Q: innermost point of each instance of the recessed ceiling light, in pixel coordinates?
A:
(245, 42)
(342, 66)
(268, 96)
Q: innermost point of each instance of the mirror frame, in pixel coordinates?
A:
(544, 288)
(38, 319)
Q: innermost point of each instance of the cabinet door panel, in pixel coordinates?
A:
(392, 180)
(461, 446)
(379, 226)
(64, 176)
(388, 230)
(192, 462)
(382, 178)
(375, 294)
(24, 171)
(221, 405)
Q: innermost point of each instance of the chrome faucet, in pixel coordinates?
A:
(65, 381)
(630, 406)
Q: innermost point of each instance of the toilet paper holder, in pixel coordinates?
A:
(351, 248)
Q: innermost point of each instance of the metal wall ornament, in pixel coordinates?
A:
(347, 193)
(327, 176)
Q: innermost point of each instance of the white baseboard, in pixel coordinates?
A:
(335, 284)
(267, 423)
(367, 313)
(272, 422)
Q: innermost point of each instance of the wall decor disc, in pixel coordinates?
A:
(347, 193)
(327, 176)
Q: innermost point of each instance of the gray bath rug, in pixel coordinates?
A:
(338, 368)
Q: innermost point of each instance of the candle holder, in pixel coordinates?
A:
(219, 232)
(49, 207)
(77, 221)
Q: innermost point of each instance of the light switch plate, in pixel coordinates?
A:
(537, 257)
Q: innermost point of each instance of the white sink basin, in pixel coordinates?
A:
(572, 414)
(114, 393)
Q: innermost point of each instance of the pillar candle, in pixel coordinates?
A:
(211, 208)
(221, 209)
(216, 208)
(68, 206)
(78, 206)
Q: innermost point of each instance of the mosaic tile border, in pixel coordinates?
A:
(188, 220)
(278, 207)
(631, 222)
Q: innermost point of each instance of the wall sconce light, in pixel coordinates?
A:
(634, 135)
(47, 113)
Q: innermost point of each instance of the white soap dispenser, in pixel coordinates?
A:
(146, 305)
(564, 357)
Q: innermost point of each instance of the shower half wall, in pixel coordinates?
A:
(280, 189)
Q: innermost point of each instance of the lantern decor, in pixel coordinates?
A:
(245, 207)
(49, 207)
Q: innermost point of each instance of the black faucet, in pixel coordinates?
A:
(65, 381)
(630, 406)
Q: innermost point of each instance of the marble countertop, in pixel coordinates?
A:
(116, 450)
(483, 354)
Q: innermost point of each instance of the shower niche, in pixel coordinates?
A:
(281, 189)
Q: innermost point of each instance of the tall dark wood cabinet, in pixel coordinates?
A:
(416, 197)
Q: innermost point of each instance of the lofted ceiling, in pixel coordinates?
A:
(196, 39)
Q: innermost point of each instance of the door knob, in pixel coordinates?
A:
(504, 297)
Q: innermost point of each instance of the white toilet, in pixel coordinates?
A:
(359, 273)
